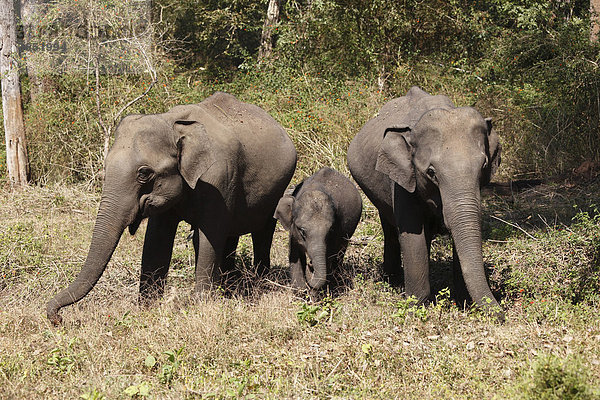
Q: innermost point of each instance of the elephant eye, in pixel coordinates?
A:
(430, 172)
(144, 174)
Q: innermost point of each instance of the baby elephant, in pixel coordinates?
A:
(321, 215)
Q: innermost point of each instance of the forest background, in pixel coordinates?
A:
(532, 66)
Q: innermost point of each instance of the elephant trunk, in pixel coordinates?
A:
(107, 231)
(462, 216)
(318, 256)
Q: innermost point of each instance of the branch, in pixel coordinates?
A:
(514, 226)
(154, 77)
(464, 71)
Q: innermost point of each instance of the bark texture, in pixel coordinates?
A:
(266, 40)
(595, 20)
(14, 129)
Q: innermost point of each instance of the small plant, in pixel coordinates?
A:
(443, 301)
(126, 320)
(367, 349)
(487, 313)
(92, 395)
(169, 369)
(313, 314)
(150, 361)
(138, 391)
(62, 360)
(408, 307)
(236, 388)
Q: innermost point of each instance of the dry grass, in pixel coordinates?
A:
(271, 344)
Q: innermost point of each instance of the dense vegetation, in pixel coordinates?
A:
(528, 64)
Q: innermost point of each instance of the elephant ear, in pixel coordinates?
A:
(395, 157)
(194, 152)
(494, 152)
(283, 212)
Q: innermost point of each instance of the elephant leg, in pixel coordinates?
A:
(391, 254)
(229, 253)
(229, 273)
(429, 232)
(261, 247)
(461, 294)
(416, 265)
(297, 260)
(410, 218)
(209, 256)
(156, 256)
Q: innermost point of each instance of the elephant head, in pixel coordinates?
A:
(445, 156)
(153, 160)
(309, 218)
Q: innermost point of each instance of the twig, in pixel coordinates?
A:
(514, 226)
(544, 221)
(334, 368)
(277, 284)
(464, 71)
(154, 77)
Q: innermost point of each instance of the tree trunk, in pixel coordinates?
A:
(595, 20)
(14, 128)
(266, 39)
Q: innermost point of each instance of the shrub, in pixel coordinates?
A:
(557, 378)
(562, 263)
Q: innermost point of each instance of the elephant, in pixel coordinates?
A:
(422, 161)
(321, 215)
(220, 165)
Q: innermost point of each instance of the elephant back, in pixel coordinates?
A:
(229, 120)
(407, 110)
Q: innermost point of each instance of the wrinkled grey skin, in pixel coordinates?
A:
(422, 162)
(321, 215)
(220, 165)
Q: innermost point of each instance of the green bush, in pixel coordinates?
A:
(65, 139)
(559, 378)
(528, 65)
(562, 263)
(216, 35)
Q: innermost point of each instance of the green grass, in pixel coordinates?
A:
(271, 344)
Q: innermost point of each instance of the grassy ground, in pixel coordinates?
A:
(271, 344)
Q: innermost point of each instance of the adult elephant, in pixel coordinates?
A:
(422, 162)
(220, 165)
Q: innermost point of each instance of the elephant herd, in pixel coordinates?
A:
(223, 167)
